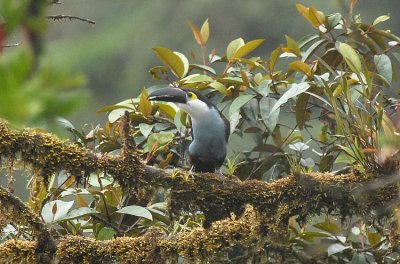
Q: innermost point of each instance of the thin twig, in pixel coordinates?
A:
(65, 17)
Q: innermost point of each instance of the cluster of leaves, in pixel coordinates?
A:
(339, 76)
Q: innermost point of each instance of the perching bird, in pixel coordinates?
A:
(210, 129)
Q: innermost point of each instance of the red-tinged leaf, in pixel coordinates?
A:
(315, 17)
(164, 163)
(247, 48)
(304, 11)
(196, 33)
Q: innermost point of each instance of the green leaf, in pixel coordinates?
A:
(336, 248)
(350, 56)
(270, 117)
(178, 63)
(145, 129)
(219, 87)
(312, 49)
(205, 31)
(302, 114)
(293, 90)
(326, 163)
(106, 233)
(79, 212)
(162, 138)
(203, 68)
(169, 109)
(380, 19)
(329, 227)
(145, 106)
(239, 102)
(51, 215)
(300, 67)
(198, 78)
(374, 238)
(291, 43)
(247, 48)
(136, 210)
(384, 67)
(233, 46)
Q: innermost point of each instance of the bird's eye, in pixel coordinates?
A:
(190, 94)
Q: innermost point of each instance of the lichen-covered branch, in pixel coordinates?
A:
(218, 197)
(154, 247)
(13, 210)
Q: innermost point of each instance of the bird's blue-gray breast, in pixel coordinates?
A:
(209, 136)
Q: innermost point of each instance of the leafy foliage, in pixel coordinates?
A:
(329, 108)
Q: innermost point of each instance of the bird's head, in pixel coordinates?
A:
(194, 103)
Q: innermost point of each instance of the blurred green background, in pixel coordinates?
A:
(115, 54)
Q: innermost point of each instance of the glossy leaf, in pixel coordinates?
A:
(239, 102)
(173, 60)
(233, 46)
(270, 117)
(384, 67)
(301, 67)
(52, 215)
(135, 210)
(350, 56)
(293, 90)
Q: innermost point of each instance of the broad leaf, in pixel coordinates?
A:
(239, 102)
(270, 117)
(233, 46)
(178, 63)
(293, 90)
(247, 48)
(336, 248)
(135, 210)
(350, 56)
(384, 66)
(145, 129)
(55, 210)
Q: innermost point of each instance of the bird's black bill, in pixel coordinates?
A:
(174, 95)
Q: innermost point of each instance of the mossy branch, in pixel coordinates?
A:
(218, 197)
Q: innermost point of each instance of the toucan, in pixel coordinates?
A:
(210, 129)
